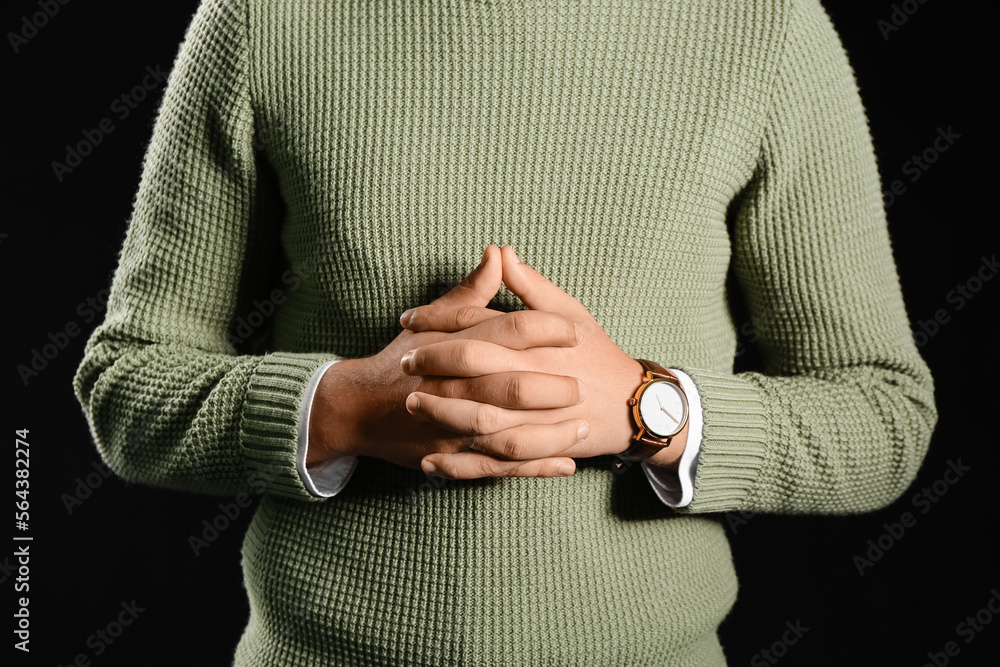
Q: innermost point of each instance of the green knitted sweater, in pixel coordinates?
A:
(687, 169)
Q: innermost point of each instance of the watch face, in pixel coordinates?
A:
(663, 408)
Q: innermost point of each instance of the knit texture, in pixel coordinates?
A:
(686, 169)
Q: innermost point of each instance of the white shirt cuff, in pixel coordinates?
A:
(676, 489)
(323, 479)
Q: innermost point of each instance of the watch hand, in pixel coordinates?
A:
(667, 412)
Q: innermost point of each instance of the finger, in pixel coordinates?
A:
(446, 317)
(474, 419)
(480, 286)
(471, 294)
(520, 390)
(517, 330)
(473, 465)
(536, 291)
(464, 358)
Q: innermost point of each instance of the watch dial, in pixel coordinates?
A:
(663, 408)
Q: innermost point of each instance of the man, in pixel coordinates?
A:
(674, 172)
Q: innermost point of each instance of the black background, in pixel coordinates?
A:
(126, 542)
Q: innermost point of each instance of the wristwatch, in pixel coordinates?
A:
(659, 410)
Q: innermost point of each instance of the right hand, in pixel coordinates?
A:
(360, 404)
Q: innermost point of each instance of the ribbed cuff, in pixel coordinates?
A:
(271, 420)
(734, 441)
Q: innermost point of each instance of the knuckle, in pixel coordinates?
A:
(467, 358)
(518, 322)
(485, 467)
(415, 357)
(509, 472)
(465, 316)
(484, 420)
(511, 448)
(512, 390)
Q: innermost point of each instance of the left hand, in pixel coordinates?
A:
(610, 376)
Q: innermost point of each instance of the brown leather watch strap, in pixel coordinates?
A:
(656, 370)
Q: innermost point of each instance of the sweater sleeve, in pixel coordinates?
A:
(840, 417)
(169, 400)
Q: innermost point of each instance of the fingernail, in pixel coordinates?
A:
(429, 468)
(582, 389)
(582, 432)
(486, 254)
(405, 318)
(517, 260)
(412, 402)
(565, 470)
(579, 333)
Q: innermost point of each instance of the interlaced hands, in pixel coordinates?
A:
(524, 392)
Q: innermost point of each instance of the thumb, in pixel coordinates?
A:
(535, 290)
(465, 304)
(480, 286)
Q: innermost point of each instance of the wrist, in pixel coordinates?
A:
(335, 417)
(627, 377)
(670, 457)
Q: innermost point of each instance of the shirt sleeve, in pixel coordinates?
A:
(676, 489)
(328, 478)
(840, 416)
(169, 399)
